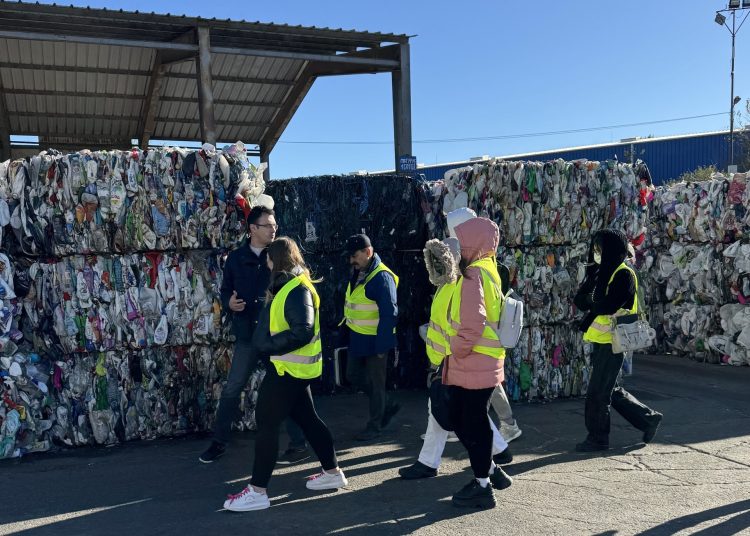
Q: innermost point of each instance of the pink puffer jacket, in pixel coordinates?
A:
(479, 238)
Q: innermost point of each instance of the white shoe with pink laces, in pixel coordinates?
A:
(247, 500)
(325, 480)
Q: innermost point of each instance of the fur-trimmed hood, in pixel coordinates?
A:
(441, 262)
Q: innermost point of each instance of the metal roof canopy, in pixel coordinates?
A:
(99, 77)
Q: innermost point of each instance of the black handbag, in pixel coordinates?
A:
(440, 401)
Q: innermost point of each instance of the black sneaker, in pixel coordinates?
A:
(215, 451)
(650, 432)
(503, 458)
(418, 470)
(500, 479)
(590, 446)
(473, 495)
(294, 455)
(389, 413)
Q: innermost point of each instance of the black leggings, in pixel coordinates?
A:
(468, 412)
(280, 397)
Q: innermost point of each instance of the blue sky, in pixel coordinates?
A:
(505, 67)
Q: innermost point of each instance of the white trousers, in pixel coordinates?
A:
(435, 438)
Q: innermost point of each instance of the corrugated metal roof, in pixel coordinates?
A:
(165, 27)
(72, 71)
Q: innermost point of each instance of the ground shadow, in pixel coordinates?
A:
(518, 468)
(733, 525)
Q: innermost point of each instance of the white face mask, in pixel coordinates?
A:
(597, 258)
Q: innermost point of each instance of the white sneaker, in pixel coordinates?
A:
(246, 501)
(325, 480)
(510, 431)
(452, 437)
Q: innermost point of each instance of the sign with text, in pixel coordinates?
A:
(407, 163)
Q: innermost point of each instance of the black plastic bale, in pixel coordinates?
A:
(320, 213)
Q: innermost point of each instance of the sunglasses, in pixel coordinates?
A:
(270, 225)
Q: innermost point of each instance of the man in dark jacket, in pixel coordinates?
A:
(243, 288)
(367, 362)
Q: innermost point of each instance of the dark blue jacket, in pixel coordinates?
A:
(382, 290)
(248, 274)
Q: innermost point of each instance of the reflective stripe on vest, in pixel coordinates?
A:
(306, 362)
(360, 313)
(438, 345)
(600, 330)
(489, 343)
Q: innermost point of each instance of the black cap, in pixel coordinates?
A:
(356, 242)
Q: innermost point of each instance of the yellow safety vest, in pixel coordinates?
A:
(489, 343)
(438, 343)
(600, 330)
(361, 313)
(306, 362)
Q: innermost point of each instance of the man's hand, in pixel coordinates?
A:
(235, 304)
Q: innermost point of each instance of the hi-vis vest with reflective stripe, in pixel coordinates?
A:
(438, 343)
(600, 330)
(306, 362)
(489, 343)
(360, 313)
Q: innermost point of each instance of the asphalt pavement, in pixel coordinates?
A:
(693, 479)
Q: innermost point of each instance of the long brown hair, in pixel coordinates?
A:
(285, 256)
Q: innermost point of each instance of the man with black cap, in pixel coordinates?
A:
(370, 312)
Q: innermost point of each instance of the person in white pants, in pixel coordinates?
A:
(509, 428)
(434, 444)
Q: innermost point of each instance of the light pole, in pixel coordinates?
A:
(732, 9)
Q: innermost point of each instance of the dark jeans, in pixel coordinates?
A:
(244, 361)
(279, 398)
(368, 373)
(468, 412)
(604, 392)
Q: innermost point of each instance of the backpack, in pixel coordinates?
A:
(511, 321)
(508, 328)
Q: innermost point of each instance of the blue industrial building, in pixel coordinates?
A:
(667, 157)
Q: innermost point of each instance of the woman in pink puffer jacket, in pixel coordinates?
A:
(473, 376)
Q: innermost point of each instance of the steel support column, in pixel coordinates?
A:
(401, 82)
(264, 159)
(205, 87)
(152, 101)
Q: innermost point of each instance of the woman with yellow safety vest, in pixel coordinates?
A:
(288, 335)
(475, 364)
(610, 289)
(441, 260)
